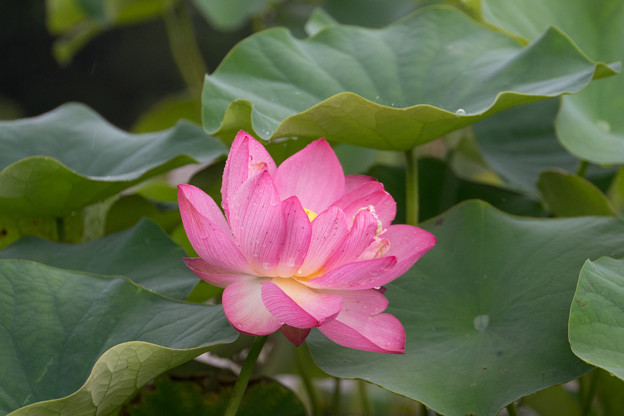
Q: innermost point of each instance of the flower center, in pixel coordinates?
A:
(311, 214)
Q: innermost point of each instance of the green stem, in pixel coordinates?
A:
(591, 391)
(411, 187)
(60, 230)
(183, 45)
(511, 409)
(366, 410)
(300, 357)
(335, 409)
(245, 374)
(580, 171)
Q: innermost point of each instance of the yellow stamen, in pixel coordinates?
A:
(311, 214)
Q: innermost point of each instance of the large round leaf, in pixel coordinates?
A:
(590, 125)
(144, 254)
(60, 330)
(70, 157)
(394, 88)
(485, 311)
(597, 315)
(520, 143)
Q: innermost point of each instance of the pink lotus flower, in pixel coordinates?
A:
(303, 247)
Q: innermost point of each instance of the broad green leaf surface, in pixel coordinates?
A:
(570, 195)
(476, 312)
(61, 330)
(144, 254)
(519, 143)
(69, 158)
(394, 88)
(590, 124)
(596, 327)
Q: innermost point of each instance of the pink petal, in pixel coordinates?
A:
(329, 230)
(294, 304)
(361, 235)
(211, 274)
(208, 231)
(258, 223)
(298, 233)
(245, 310)
(314, 175)
(369, 193)
(247, 157)
(353, 182)
(194, 199)
(407, 244)
(295, 335)
(356, 276)
(360, 324)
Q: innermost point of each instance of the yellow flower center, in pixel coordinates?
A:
(311, 214)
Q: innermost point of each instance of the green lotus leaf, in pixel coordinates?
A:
(393, 88)
(69, 158)
(596, 326)
(476, 312)
(79, 344)
(570, 195)
(144, 254)
(590, 124)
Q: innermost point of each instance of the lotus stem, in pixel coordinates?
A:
(183, 45)
(366, 410)
(300, 356)
(411, 187)
(335, 407)
(511, 409)
(580, 171)
(245, 374)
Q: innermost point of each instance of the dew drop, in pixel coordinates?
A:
(604, 125)
(481, 322)
(460, 112)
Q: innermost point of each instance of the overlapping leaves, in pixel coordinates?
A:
(69, 158)
(144, 254)
(61, 330)
(393, 88)
(477, 311)
(597, 315)
(589, 124)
